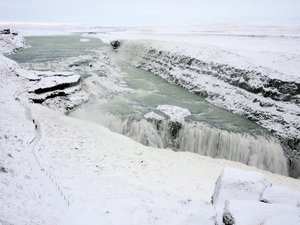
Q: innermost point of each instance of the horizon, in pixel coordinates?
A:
(150, 13)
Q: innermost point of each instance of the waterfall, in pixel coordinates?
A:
(141, 131)
(259, 151)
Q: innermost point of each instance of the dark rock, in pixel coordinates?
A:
(3, 169)
(228, 219)
(115, 44)
(60, 86)
(174, 129)
(5, 31)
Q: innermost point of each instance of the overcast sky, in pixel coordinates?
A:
(150, 12)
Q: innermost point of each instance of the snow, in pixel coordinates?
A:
(9, 43)
(62, 170)
(235, 184)
(257, 213)
(134, 212)
(176, 113)
(52, 80)
(153, 116)
(241, 45)
(119, 168)
(247, 197)
(283, 219)
(281, 195)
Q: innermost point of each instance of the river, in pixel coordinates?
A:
(209, 130)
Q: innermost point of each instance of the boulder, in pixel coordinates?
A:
(258, 213)
(240, 185)
(115, 44)
(236, 184)
(281, 195)
(5, 31)
(176, 113)
(52, 81)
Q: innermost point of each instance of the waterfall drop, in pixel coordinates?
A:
(259, 151)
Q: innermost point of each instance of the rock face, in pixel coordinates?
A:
(10, 42)
(5, 31)
(115, 44)
(270, 102)
(247, 198)
(176, 114)
(61, 90)
(53, 81)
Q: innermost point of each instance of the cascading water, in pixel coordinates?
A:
(262, 152)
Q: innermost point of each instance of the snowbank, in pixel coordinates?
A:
(247, 198)
(257, 213)
(234, 184)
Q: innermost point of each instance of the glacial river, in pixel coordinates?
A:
(210, 130)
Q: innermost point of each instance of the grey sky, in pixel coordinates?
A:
(150, 12)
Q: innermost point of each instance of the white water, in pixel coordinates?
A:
(261, 152)
(257, 151)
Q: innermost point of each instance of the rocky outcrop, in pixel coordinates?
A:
(247, 198)
(50, 82)
(176, 117)
(59, 90)
(270, 102)
(10, 42)
(115, 44)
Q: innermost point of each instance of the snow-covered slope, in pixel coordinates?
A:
(11, 43)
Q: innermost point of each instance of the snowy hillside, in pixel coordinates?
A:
(60, 170)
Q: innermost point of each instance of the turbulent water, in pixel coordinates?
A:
(208, 131)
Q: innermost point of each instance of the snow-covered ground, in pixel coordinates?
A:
(10, 43)
(60, 170)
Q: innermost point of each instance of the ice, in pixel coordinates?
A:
(85, 40)
(153, 116)
(176, 113)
